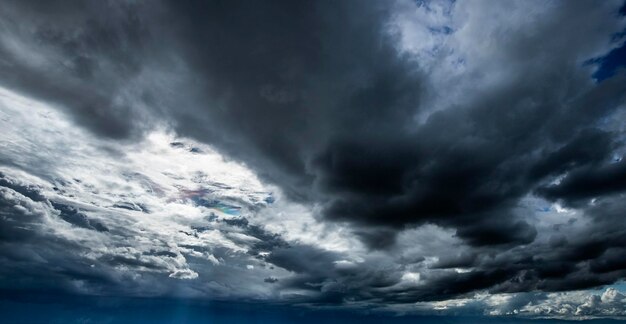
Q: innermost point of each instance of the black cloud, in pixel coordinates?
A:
(319, 99)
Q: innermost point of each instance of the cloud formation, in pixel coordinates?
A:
(379, 153)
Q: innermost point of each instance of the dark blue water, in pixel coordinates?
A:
(29, 308)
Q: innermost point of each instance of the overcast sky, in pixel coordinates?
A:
(379, 157)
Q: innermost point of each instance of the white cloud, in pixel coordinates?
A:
(610, 302)
(155, 199)
(184, 274)
(166, 204)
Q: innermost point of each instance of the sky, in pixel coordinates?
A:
(306, 161)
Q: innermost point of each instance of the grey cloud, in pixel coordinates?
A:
(610, 303)
(44, 236)
(320, 99)
(24, 242)
(85, 60)
(332, 126)
(588, 183)
(75, 217)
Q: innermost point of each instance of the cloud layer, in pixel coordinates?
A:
(379, 153)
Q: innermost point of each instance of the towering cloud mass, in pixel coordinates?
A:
(406, 151)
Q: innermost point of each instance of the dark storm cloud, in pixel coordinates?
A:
(316, 96)
(83, 59)
(587, 183)
(318, 99)
(330, 279)
(326, 108)
(282, 81)
(594, 259)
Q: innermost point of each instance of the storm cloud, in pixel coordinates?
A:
(436, 149)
